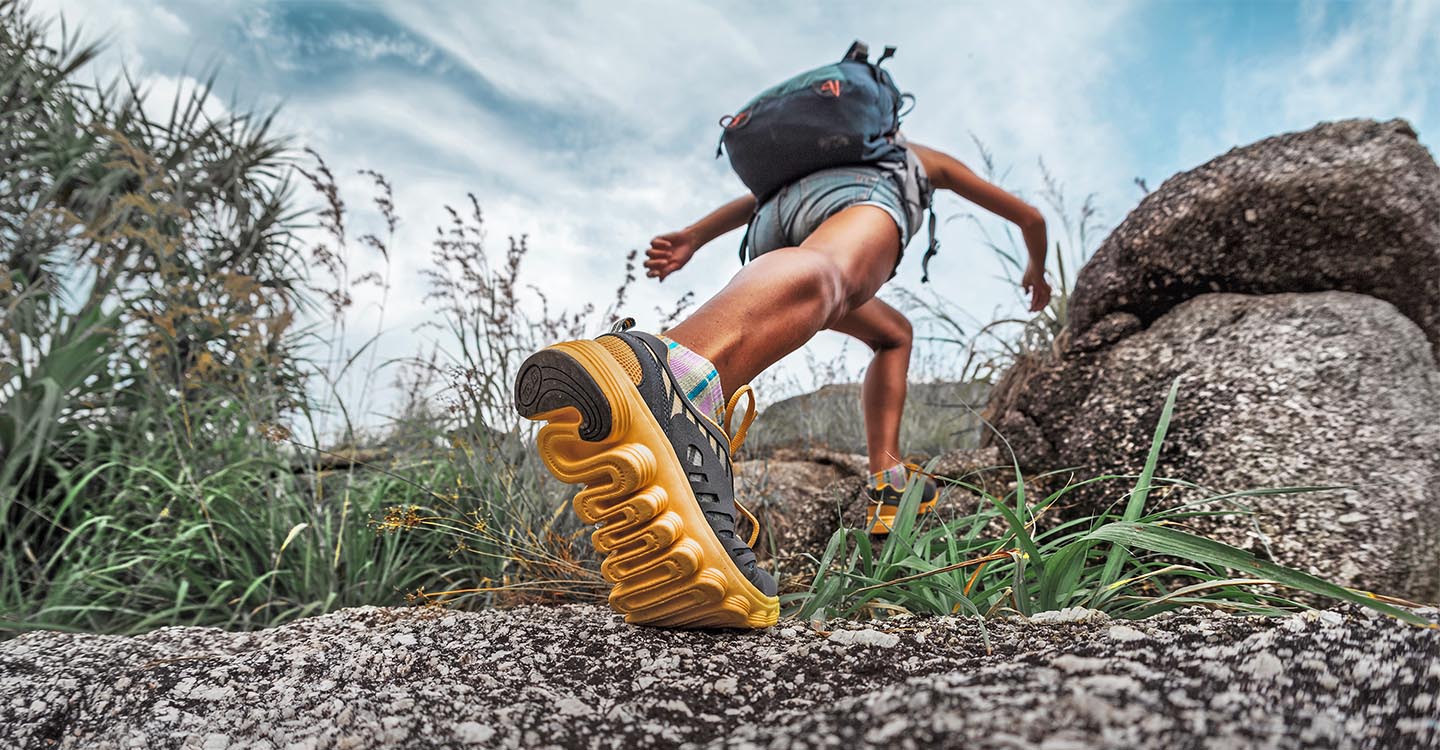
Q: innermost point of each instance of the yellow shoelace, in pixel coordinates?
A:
(736, 441)
(739, 437)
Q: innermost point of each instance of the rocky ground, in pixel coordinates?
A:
(577, 676)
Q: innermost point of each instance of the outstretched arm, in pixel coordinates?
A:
(948, 172)
(669, 251)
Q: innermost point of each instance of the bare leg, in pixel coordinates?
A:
(782, 299)
(886, 331)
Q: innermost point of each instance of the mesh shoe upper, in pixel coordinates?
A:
(699, 444)
(888, 494)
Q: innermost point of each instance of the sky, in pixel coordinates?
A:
(590, 127)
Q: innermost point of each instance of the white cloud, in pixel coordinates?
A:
(1380, 64)
(371, 47)
(646, 83)
(1026, 82)
(130, 28)
(636, 61)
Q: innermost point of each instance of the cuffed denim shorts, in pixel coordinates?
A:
(801, 207)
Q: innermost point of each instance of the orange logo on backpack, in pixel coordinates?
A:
(830, 88)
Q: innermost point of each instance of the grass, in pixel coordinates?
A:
(1133, 564)
(156, 542)
(154, 349)
(150, 468)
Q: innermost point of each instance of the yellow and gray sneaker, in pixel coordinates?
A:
(658, 481)
(885, 497)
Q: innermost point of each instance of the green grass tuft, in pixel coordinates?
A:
(1131, 566)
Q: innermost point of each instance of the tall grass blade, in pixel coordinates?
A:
(1167, 541)
(1141, 492)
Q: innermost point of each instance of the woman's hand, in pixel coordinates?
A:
(1034, 284)
(669, 252)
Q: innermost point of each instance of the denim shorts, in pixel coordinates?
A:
(801, 207)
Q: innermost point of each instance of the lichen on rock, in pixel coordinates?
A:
(578, 677)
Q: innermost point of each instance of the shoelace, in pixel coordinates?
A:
(736, 441)
(739, 437)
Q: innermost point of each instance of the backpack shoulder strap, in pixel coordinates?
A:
(931, 250)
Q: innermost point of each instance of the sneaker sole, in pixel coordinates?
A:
(666, 565)
(883, 521)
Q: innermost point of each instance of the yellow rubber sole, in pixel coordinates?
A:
(666, 565)
(881, 518)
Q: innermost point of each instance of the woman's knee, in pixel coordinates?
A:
(896, 333)
(812, 276)
(829, 283)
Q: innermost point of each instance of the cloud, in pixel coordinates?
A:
(633, 65)
(128, 27)
(591, 127)
(656, 77)
(371, 47)
(1378, 61)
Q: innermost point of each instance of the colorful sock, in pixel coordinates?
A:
(698, 378)
(895, 476)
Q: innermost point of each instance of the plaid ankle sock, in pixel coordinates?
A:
(698, 378)
(895, 476)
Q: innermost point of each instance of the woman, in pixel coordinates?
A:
(637, 417)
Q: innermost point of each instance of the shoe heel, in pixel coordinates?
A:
(663, 574)
(551, 381)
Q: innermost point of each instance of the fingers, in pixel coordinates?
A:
(1041, 298)
(1039, 292)
(660, 268)
(659, 242)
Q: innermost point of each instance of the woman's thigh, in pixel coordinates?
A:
(862, 241)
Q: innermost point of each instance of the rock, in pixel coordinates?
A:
(864, 637)
(1351, 205)
(473, 733)
(1285, 390)
(564, 677)
(938, 417)
(1069, 614)
(1125, 634)
(802, 496)
(799, 498)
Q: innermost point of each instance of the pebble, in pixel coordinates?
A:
(866, 637)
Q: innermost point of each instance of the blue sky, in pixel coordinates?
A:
(591, 127)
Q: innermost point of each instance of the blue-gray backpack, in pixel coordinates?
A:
(839, 114)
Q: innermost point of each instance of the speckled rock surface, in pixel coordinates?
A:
(938, 417)
(799, 497)
(576, 676)
(1351, 205)
(1330, 388)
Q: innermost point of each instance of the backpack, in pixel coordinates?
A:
(843, 113)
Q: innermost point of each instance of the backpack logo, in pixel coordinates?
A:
(830, 88)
